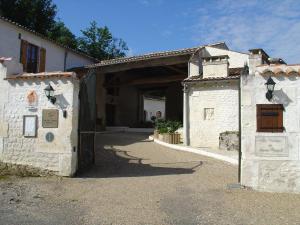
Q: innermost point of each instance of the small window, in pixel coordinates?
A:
(269, 118)
(32, 58)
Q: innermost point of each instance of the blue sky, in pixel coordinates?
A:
(155, 25)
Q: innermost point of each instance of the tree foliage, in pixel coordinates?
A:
(99, 42)
(62, 35)
(38, 15)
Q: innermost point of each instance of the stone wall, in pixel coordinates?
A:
(270, 161)
(59, 156)
(229, 141)
(213, 109)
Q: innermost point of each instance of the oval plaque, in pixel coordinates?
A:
(49, 137)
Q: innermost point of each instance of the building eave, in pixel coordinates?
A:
(48, 39)
(150, 56)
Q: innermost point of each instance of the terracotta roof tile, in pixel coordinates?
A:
(44, 75)
(200, 79)
(148, 56)
(48, 39)
(235, 71)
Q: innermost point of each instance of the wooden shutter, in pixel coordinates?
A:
(42, 60)
(269, 118)
(23, 55)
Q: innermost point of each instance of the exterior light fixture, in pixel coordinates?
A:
(270, 84)
(49, 92)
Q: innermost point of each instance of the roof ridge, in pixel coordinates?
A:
(150, 55)
(45, 37)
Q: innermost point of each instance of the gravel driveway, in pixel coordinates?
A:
(136, 181)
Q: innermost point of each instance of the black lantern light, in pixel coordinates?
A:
(270, 84)
(49, 92)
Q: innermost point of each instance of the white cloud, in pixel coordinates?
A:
(150, 2)
(272, 25)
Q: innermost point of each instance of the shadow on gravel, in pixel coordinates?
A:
(113, 162)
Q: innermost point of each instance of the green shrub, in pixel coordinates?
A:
(167, 126)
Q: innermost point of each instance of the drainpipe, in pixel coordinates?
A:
(240, 132)
(186, 90)
(244, 73)
(65, 60)
(186, 114)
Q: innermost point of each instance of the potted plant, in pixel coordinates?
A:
(166, 131)
(172, 136)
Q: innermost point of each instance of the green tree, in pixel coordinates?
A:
(62, 34)
(99, 43)
(38, 15)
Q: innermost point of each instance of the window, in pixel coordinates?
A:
(269, 118)
(32, 57)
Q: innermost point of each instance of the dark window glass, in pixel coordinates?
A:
(32, 58)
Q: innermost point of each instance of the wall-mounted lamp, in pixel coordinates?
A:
(270, 84)
(49, 92)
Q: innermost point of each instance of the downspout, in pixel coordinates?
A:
(65, 60)
(186, 114)
(240, 131)
(186, 103)
(244, 73)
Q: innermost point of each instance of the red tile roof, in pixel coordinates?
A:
(45, 75)
(48, 39)
(234, 73)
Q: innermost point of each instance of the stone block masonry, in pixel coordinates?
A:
(213, 109)
(270, 159)
(229, 141)
(35, 154)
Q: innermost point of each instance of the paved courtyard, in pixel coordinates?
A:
(136, 181)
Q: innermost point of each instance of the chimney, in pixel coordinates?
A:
(215, 66)
(257, 57)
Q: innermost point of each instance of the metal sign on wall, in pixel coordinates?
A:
(50, 118)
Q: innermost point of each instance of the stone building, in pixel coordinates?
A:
(270, 125)
(122, 83)
(36, 135)
(27, 64)
(55, 133)
(211, 96)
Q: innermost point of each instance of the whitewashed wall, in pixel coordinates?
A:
(222, 99)
(10, 45)
(236, 59)
(58, 156)
(270, 161)
(151, 106)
